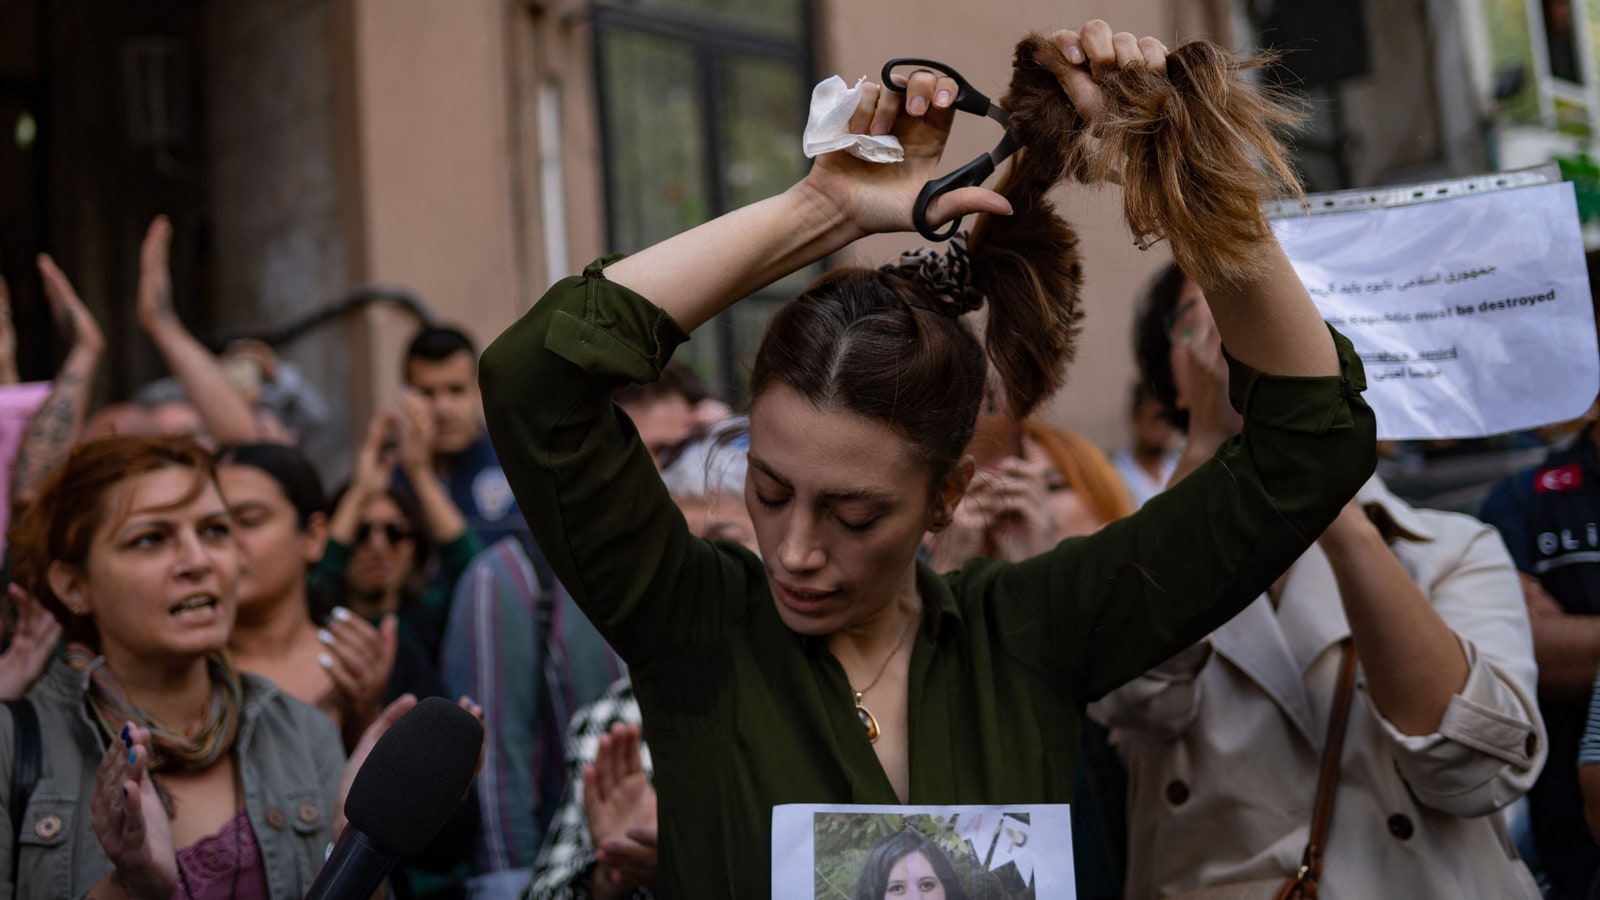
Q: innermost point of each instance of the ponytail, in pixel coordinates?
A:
(1197, 153)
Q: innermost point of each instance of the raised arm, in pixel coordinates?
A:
(586, 483)
(414, 431)
(226, 415)
(701, 272)
(1147, 586)
(1265, 316)
(55, 427)
(368, 479)
(1413, 662)
(1443, 642)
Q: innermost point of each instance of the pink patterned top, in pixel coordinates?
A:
(225, 865)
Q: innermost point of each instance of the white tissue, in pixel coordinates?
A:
(832, 104)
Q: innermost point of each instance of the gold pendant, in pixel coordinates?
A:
(867, 720)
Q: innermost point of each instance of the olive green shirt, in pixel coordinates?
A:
(743, 714)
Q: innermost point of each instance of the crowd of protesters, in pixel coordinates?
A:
(1233, 648)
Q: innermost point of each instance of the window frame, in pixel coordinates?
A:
(709, 37)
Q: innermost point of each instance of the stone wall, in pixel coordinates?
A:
(271, 134)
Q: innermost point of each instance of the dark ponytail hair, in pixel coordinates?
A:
(889, 345)
(290, 469)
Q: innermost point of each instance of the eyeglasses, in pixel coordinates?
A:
(1170, 320)
(393, 532)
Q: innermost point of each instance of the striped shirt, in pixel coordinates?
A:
(530, 658)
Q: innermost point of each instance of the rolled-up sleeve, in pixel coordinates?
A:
(584, 479)
(1490, 745)
(1101, 610)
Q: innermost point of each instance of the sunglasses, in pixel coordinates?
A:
(392, 532)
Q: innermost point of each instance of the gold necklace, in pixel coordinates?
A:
(868, 721)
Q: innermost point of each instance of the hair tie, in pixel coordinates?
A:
(947, 275)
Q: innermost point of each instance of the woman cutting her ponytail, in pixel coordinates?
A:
(833, 668)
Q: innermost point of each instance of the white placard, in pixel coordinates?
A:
(820, 852)
(1472, 314)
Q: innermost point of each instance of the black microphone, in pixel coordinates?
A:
(416, 776)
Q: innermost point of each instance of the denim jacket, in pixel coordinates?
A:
(290, 761)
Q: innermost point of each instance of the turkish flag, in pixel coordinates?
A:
(1560, 478)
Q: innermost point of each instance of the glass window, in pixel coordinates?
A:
(703, 103)
(781, 17)
(657, 181)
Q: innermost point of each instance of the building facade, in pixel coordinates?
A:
(473, 151)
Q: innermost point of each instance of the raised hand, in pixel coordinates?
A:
(362, 748)
(877, 196)
(56, 425)
(155, 278)
(1201, 371)
(620, 806)
(1091, 52)
(965, 535)
(130, 822)
(226, 414)
(1021, 521)
(33, 640)
(415, 429)
(359, 660)
(373, 470)
(72, 318)
(375, 460)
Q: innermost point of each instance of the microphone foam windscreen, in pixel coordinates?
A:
(416, 776)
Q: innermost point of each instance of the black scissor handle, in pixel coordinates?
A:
(968, 98)
(970, 175)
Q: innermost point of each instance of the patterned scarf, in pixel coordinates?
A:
(206, 740)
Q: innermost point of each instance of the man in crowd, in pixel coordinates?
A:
(1146, 465)
(441, 365)
(1550, 519)
(667, 410)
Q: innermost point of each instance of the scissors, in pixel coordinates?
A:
(970, 100)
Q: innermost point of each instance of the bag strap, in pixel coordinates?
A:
(25, 763)
(1304, 883)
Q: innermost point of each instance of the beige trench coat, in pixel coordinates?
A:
(1222, 742)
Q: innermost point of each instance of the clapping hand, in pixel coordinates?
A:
(414, 428)
(130, 822)
(1005, 514)
(1017, 496)
(155, 310)
(33, 640)
(620, 806)
(72, 318)
(359, 660)
(376, 459)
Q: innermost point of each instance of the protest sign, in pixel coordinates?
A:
(1471, 314)
(828, 852)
